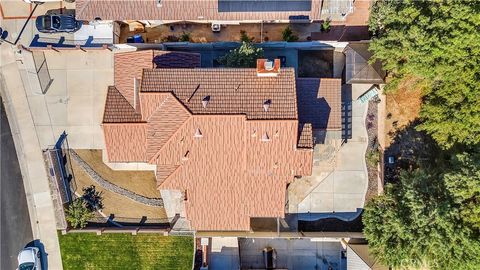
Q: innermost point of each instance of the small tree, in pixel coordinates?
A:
(93, 198)
(78, 214)
(185, 37)
(244, 56)
(288, 35)
(325, 26)
(244, 37)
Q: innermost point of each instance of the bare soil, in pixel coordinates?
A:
(371, 123)
(403, 107)
(202, 33)
(140, 182)
(315, 64)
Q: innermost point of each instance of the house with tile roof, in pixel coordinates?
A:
(225, 141)
(223, 11)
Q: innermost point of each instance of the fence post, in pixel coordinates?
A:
(50, 47)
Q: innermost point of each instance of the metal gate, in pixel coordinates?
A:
(41, 68)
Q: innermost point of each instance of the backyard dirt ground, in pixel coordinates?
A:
(403, 107)
(202, 33)
(140, 182)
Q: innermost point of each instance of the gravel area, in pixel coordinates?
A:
(112, 187)
(372, 129)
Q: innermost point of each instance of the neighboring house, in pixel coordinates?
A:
(226, 141)
(207, 11)
(358, 70)
(360, 258)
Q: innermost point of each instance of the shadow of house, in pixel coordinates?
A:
(319, 103)
(343, 33)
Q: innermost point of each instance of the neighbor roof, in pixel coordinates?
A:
(362, 251)
(357, 68)
(228, 91)
(191, 10)
(319, 102)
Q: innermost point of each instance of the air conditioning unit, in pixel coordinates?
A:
(216, 27)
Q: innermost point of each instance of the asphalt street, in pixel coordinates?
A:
(15, 224)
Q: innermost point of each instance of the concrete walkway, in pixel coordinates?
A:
(30, 156)
(341, 188)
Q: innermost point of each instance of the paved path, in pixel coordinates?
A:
(343, 190)
(30, 156)
(15, 226)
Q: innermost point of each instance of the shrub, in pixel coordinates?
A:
(170, 38)
(244, 56)
(185, 37)
(325, 26)
(78, 214)
(93, 198)
(288, 36)
(372, 157)
(244, 37)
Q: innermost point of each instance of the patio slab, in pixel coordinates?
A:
(344, 189)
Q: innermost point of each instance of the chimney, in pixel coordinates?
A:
(268, 68)
(136, 86)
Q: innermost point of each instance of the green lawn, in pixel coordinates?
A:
(85, 251)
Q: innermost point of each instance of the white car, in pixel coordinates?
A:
(29, 259)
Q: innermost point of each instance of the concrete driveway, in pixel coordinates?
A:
(340, 187)
(75, 100)
(293, 253)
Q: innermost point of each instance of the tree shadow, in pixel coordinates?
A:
(409, 149)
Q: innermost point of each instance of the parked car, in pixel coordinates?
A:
(29, 259)
(55, 23)
(270, 258)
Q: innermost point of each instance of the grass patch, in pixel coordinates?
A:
(125, 251)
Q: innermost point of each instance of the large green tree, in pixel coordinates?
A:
(463, 182)
(438, 42)
(429, 217)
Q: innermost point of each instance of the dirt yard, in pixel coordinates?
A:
(202, 33)
(403, 107)
(140, 182)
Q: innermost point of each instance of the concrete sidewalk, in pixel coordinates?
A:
(30, 156)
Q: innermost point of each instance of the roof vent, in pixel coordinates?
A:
(267, 104)
(268, 65)
(185, 157)
(198, 133)
(205, 101)
(265, 137)
(268, 68)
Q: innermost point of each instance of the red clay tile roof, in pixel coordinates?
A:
(319, 102)
(305, 139)
(230, 173)
(233, 156)
(227, 91)
(189, 10)
(125, 142)
(118, 110)
(129, 65)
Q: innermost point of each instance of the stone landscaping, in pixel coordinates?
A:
(112, 187)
